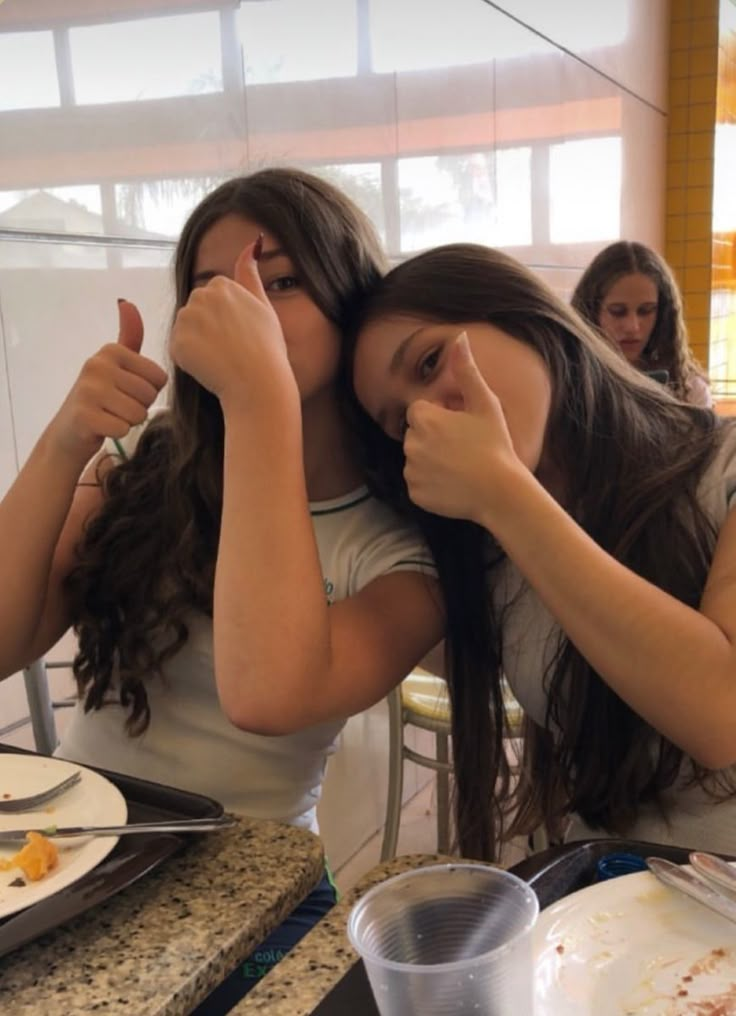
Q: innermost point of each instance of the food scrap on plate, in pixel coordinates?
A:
(36, 859)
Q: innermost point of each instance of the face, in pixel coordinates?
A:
(628, 314)
(312, 340)
(400, 359)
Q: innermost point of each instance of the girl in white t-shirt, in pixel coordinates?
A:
(598, 537)
(236, 591)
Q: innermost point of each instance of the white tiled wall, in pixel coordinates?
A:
(58, 305)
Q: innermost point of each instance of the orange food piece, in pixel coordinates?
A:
(35, 859)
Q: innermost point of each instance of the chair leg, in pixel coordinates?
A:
(395, 775)
(40, 708)
(443, 797)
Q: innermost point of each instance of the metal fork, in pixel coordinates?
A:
(31, 802)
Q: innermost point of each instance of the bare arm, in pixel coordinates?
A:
(674, 665)
(43, 514)
(283, 658)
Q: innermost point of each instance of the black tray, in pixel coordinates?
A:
(559, 871)
(552, 874)
(131, 857)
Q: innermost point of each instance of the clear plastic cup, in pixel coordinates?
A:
(449, 938)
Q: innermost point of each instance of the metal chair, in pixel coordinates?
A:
(40, 706)
(422, 700)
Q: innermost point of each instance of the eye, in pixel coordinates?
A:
(427, 364)
(282, 284)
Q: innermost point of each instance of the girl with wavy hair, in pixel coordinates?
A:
(629, 292)
(580, 520)
(236, 591)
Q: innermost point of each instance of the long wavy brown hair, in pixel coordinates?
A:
(668, 347)
(631, 457)
(147, 560)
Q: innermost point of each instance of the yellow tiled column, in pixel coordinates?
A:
(693, 81)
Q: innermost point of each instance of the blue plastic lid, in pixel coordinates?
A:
(615, 865)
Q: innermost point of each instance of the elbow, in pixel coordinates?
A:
(265, 709)
(716, 753)
(263, 723)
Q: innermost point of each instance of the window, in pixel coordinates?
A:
(53, 209)
(416, 35)
(585, 190)
(298, 40)
(171, 56)
(28, 78)
(160, 207)
(481, 197)
(362, 183)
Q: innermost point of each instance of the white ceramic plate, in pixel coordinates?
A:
(93, 801)
(632, 945)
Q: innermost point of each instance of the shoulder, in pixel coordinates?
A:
(717, 491)
(361, 538)
(698, 391)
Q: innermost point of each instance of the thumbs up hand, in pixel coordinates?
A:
(229, 338)
(130, 330)
(112, 393)
(456, 457)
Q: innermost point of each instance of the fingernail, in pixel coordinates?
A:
(463, 342)
(258, 247)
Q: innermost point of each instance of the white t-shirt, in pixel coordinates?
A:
(191, 744)
(694, 819)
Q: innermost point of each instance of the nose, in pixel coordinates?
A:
(445, 392)
(632, 325)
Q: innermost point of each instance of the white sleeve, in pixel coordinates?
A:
(388, 545)
(699, 393)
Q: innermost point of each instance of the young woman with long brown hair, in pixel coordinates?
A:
(588, 512)
(629, 292)
(236, 590)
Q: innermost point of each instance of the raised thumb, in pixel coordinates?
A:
(246, 271)
(473, 387)
(130, 333)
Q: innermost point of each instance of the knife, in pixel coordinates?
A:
(688, 883)
(187, 825)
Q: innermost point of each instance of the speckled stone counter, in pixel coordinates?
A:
(302, 979)
(158, 947)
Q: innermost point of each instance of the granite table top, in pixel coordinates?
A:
(301, 980)
(158, 947)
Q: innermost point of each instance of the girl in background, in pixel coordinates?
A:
(236, 591)
(629, 292)
(590, 512)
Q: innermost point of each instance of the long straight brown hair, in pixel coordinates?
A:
(631, 458)
(147, 559)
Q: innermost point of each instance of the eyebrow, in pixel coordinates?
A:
(648, 304)
(397, 360)
(266, 255)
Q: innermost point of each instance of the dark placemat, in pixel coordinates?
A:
(130, 859)
(552, 873)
